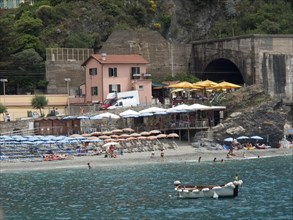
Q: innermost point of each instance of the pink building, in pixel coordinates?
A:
(116, 73)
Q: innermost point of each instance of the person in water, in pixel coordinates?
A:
(199, 159)
(89, 166)
(215, 159)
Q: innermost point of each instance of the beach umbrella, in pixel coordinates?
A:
(179, 108)
(75, 135)
(109, 140)
(86, 135)
(197, 106)
(205, 84)
(225, 85)
(110, 143)
(127, 130)
(242, 138)
(104, 137)
(152, 137)
(124, 136)
(135, 135)
(129, 113)
(173, 135)
(115, 136)
(131, 139)
(161, 136)
(145, 133)
(69, 117)
(155, 132)
(107, 132)
(229, 139)
(117, 131)
(152, 110)
(83, 117)
(256, 137)
(182, 85)
(105, 115)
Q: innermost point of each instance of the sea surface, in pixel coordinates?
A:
(147, 191)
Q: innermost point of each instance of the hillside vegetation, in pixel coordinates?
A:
(28, 30)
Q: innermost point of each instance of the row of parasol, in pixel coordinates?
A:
(206, 84)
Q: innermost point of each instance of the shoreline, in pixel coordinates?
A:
(184, 153)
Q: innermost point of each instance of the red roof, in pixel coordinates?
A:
(117, 59)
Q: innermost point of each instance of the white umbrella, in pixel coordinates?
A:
(110, 143)
(256, 137)
(230, 139)
(242, 138)
(105, 115)
(153, 110)
(129, 113)
(199, 107)
(83, 117)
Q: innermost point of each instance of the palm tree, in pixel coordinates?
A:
(39, 102)
(3, 109)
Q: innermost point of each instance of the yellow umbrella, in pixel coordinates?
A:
(225, 85)
(205, 84)
(182, 85)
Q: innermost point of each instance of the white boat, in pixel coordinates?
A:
(217, 191)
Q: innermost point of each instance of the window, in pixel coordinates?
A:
(114, 88)
(135, 72)
(93, 71)
(113, 72)
(140, 87)
(94, 91)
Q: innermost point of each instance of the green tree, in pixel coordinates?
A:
(40, 102)
(3, 109)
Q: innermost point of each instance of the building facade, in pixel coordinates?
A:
(106, 74)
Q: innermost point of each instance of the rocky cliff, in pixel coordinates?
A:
(251, 111)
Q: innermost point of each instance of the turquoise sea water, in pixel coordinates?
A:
(147, 192)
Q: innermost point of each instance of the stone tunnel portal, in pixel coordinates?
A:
(223, 70)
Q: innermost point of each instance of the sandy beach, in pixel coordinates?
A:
(184, 153)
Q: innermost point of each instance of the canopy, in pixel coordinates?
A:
(158, 84)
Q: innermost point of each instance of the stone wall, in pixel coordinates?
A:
(165, 58)
(21, 127)
(265, 60)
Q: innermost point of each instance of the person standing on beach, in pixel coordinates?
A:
(162, 154)
(199, 159)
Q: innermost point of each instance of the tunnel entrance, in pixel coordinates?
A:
(223, 70)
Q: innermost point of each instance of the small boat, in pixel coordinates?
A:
(213, 191)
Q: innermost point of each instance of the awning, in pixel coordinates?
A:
(158, 85)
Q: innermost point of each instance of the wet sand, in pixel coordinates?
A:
(184, 153)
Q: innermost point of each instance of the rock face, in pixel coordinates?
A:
(251, 111)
